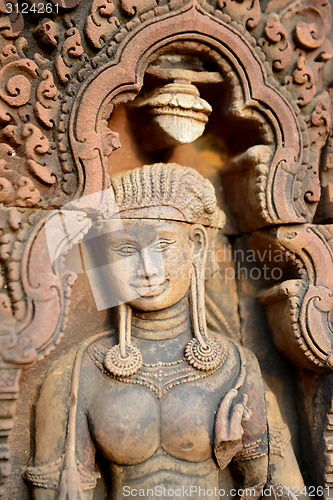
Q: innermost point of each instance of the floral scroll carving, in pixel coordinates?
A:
(291, 35)
(276, 42)
(306, 302)
(71, 49)
(47, 34)
(248, 12)
(10, 28)
(22, 234)
(101, 23)
(33, 312)
(303, 77)
(46, 103)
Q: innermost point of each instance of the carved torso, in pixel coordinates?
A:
(129, 422)
(158, 426)
(160, 420)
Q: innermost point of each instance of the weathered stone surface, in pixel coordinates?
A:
(70, 75)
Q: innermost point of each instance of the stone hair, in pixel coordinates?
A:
(170, 186)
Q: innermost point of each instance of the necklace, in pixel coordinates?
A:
(158, 377)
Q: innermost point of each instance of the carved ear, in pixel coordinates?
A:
(198, 235)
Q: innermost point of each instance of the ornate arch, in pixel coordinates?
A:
(124, 74)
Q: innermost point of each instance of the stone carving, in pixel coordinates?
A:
(179, 113)
(175, 113)
(47, 95)
(247, 12)
(47, 34)
(328, 443)
(161, 344)
(25, 148)
(72, 49)
(100, 23)
(132, 7)
(107, 26)
(276, 44)
(8, 393)
(61, 76)
(306, 300)
(303, 77)
(27, 305)
(11, 27)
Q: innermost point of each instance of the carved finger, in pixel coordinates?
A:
(222, 418)
(247, 412)
(226, 403)
(236, 429)
(241, 413)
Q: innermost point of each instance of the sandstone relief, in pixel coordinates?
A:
(165, 248)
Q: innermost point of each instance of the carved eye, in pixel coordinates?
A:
(163, 245)
(125, 249)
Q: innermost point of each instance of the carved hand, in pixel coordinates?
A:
(228, 427)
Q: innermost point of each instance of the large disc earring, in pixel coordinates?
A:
(202, 353)
(123, 359)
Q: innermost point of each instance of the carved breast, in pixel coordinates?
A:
(129, 421)
(125, 422)
(130, 424)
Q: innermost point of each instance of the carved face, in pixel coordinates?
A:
(152, 262)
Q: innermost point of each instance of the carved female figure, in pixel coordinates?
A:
(160, 401)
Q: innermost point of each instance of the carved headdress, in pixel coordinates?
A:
(171, 192)
(165, 191)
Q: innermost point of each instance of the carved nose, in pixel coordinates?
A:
(149, 265)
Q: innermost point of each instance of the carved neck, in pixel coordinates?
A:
(165, 324)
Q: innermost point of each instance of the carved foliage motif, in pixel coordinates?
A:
(24, 299)
(29, 102)
(295, 43)
(10, 27)
(293, 35)
(33, 311)
(245, 11)
(304, 80)
(100, 23)
(71, 50)
(306, 303)
(47, 34)
(276, 43)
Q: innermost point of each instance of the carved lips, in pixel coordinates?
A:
(148, 289)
